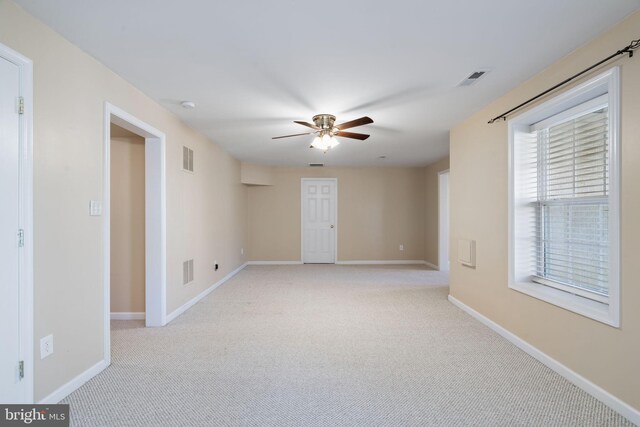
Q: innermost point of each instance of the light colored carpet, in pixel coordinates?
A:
(328, 346)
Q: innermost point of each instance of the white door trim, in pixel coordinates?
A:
(335, 240)
(26, 218)
(155, 219)
(443, 249)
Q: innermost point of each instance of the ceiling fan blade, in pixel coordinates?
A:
(289, 136)
(360, 136)
(357, 122)
(309, 125)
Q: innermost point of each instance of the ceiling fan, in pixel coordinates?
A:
(325, 130)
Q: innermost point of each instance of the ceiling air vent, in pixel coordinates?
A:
(316, 165)
(473, 77)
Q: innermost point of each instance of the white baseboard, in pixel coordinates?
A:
(382, 262)
(624, 409)
(274, 262)
(127, 315)
(77, 382)
(428, 264)
(356, 262)
(184, 307)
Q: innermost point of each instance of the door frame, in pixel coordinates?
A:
(335, 249)
(26, 291)
(444, 263)
(155, 219)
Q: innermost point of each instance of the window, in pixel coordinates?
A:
(564, 200)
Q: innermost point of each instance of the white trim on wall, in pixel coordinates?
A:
(274, 262)
(155, 219)
(354, 262)
(26, 292)
(430, 265)
(443, 247)
(578, 380)
(66, 389)
(127, 315)
(384, 262)
(184, 307)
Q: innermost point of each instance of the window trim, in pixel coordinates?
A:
(606, 83)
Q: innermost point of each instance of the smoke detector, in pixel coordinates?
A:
(189, 105)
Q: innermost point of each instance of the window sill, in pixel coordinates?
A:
(597, 311)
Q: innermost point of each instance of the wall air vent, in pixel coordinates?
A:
(473, 77)
(316, 165)
(187, 272)
(187, 159)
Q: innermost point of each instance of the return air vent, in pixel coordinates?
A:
(187, 159)
(187, 272)
(473, 77)
(316, 165)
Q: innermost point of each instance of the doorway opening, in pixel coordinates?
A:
(443, 221)
(319, 206)
(127, 214)
(148, 146)
(16, 228)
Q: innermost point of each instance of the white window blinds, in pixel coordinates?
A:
(571, 208)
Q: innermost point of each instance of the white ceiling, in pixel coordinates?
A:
(254, 66)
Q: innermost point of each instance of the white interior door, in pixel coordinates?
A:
(10, 383)
(319, 221)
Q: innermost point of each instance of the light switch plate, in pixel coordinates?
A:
(95, 208)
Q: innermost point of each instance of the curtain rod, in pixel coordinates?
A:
(635, 44)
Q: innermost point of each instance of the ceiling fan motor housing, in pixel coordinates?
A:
(324, 121)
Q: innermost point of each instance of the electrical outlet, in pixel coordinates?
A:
(402, 247)
(46, 346)
(241, 251)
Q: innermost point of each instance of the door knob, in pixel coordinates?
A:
(331, 225)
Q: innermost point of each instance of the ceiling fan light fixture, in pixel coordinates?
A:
(325, 131)
(318, 143)
(326, 140)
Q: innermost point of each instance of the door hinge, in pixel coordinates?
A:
(21, 369)
(20, 238)
(20, 105)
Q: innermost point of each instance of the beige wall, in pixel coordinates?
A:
(378, 209)
(604, 355)
(431, 213)
(127, 221)
(252, 174)
(206, 210)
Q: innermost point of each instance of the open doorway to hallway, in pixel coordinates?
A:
(138, 153)
(127, 215)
